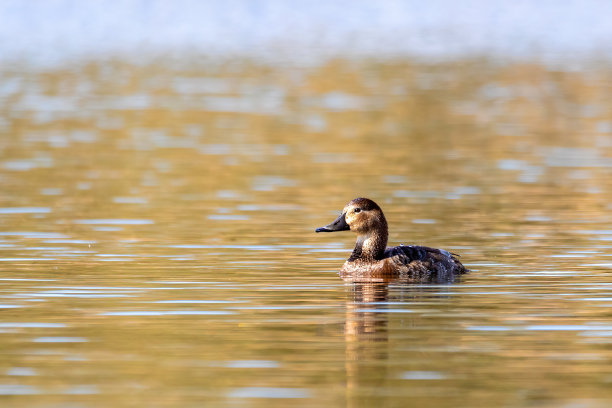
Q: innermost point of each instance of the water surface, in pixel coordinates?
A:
(157, 242)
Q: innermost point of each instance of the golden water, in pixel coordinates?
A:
(158, 249)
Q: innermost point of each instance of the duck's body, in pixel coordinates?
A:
(372, 260)
(408, 263)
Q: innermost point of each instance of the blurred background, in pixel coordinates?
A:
(51, 32)
(163, 166)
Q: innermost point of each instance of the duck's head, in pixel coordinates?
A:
(362, 216)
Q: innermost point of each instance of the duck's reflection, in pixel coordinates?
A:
(366, 336)
(364, 320)
(367, 301)
(369, 305)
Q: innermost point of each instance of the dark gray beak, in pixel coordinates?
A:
(338, 225)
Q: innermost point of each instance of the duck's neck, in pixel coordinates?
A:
(371, 246)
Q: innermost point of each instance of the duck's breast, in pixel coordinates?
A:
(383, 270)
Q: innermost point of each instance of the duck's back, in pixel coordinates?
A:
(406, 263)
(425, 264)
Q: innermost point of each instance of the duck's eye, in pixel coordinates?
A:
(357, 210)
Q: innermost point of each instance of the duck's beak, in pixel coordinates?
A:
(338, 225)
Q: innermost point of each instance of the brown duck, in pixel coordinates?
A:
(371, 260)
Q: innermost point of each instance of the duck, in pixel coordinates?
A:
(371, 259)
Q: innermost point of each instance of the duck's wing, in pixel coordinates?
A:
(439, 264)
